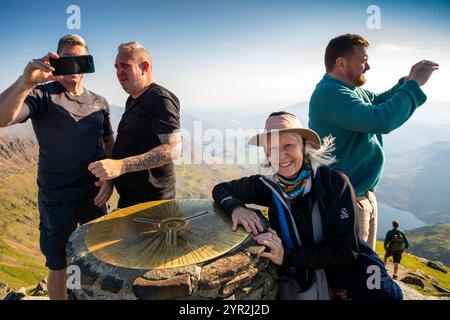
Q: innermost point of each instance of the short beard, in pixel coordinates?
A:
(360, 81)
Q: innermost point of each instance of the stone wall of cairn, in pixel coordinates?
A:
(240, 274)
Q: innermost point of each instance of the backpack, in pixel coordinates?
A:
(396, 243)
(371, 280)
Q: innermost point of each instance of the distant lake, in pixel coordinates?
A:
(386, 214)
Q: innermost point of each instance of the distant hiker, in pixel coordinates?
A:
(148, 136)
(72, 126)
(395, 243)
(311, 210)
(358, 118)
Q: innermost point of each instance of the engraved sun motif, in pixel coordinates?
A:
(163, 234)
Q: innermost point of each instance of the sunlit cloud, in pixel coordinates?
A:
(387, 48)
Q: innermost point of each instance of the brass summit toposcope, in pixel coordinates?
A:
(163, 234)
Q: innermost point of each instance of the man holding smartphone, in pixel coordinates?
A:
(72, 126)
(148, 137)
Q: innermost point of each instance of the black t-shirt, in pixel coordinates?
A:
(69, 130)
(155, 112)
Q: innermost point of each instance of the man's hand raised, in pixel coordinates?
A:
(40, 71)
(422, 71)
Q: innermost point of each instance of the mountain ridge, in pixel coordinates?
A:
(414, 181)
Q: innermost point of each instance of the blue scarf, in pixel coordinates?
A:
(296, 187)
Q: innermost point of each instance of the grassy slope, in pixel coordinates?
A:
(411, 263)
(431, 242)
(20, 266)
(21, 263)
(197, 181)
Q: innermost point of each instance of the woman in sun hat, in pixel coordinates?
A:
(311, 210)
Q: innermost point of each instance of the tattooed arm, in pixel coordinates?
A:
(169, 149)
(157, 157)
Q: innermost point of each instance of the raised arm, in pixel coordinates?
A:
(356, 115)
(12, 107)
(420, 72)
(378, 98)
(342, 107)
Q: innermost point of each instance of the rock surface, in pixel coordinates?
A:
(411, 294)
(38, 292)
(15, 295)
(40, 289)
(18, 154)
(437, 265)
(4, 289)
(413, 280)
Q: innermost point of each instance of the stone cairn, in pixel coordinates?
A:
(239, 274)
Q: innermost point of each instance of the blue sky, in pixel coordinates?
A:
(247, 55)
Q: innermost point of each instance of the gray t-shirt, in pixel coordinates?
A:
(69, 130)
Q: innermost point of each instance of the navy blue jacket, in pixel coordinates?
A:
(333, 193)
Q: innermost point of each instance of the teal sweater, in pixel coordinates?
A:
(357, 118)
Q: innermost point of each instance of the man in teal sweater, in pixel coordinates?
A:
(358, 118)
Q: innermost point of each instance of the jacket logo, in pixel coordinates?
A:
(344, 214)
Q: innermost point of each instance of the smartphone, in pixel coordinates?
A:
(72, 65)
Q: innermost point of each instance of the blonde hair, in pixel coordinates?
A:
(317, 157)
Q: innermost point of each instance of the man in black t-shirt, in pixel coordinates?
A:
(72, 126)
(148, 137)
